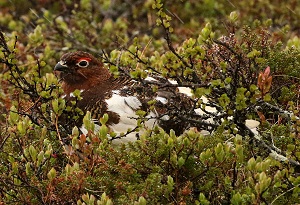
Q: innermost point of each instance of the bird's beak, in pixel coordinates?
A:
(60, 66)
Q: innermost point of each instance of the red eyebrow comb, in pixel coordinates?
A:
(85, 58)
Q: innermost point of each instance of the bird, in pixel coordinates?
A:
(121, 97)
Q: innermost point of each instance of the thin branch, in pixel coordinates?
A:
(170, 46)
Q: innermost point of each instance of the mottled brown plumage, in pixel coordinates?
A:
(101, 92)
(120, 97)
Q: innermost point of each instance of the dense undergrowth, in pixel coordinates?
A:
(244, 59)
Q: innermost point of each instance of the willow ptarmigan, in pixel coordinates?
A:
(121, 97)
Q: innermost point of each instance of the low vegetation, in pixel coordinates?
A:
(245, 60)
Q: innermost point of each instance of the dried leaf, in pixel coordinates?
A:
(259, 80)
(267, 71)
(261, 116)
(268, 84)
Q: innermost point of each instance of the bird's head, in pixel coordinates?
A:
(80, 70)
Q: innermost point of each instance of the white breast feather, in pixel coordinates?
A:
(125, 107)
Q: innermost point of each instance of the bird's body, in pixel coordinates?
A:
(101, 93)
(123, 96)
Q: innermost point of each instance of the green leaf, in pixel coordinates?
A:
(219, 152)
(103, 131)
(51, 174)
(75, 131)
(239, 152)
(40, 158)
(251, 164)
(236, 199)
(55, 105)
(104, 119)
(254, 53)
(33, 153)
(28, 169)
(267, 97)
(170, 184)
(142, 201)
(224, 101)
(36, 38)
(181, 162)
(233, 16)
(21, 128)
(85, 4)
(203, 200)
(13, 115)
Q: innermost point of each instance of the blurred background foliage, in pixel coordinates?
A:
(35, 166)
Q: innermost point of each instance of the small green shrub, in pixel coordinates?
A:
(245, 63)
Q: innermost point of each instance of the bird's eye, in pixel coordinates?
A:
(83, 63)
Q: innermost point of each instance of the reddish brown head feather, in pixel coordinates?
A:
(75, 76)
